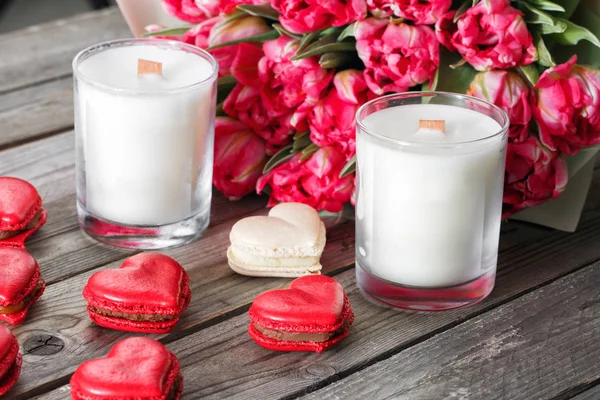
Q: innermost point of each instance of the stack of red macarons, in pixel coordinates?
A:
(21, 282)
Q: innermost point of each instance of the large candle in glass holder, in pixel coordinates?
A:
(144, 128)
(429, 199)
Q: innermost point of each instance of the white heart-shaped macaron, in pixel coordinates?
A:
(287, 242)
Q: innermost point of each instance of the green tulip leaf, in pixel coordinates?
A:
(169, 32)
(574, 34)
(335, 60)
(531, 73)
(549, 23)
(456, 80)
(546, 5)
(569, 7)
(284, 32)
(259, 38)
(309, 151)
(544, 57)
(348, 32)
(301, 143)
(307, 40)
(298, 135)
(326, 48)
(430, 86)
(349, 168)
(462, 9)
(264, 11)
(283, 155)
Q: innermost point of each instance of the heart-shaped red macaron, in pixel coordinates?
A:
(147, 279)
(137, 368)
(310, 300)
(19, 274)
(19, 202)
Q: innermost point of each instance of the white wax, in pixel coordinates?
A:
(429, 215)
(148, 153)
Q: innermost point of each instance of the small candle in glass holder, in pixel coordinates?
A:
(429, 196)
(144, 127)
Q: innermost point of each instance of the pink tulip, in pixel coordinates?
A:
(314, 182)
(420, 11)
(534, 175)
(193, 11)
(290, 84)
(396, 56)
(303, 16)
(507, 90)
(236, 29)
(566, 107)
(239, 158)
(198, 35)
(332, 120)
(244, 103)
(491, 35)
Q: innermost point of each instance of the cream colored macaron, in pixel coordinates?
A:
(286, 243)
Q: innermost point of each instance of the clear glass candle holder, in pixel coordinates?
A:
(144, 144)
(429, 204)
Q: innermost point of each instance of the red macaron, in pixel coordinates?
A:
(313, 314)
(10, 360)
(21, 212)
(148, 294)
(137, 368)
(21, 284)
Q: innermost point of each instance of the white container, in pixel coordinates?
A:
(140, 13)
(429, 203)
(144, 143)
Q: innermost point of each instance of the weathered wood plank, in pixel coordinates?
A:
(221, 360)
(44, 52)
(36, 111)
(590, 394)
(535, 347)
(216, 291)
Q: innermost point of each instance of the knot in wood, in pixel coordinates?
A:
(43, 345)
(320, 370)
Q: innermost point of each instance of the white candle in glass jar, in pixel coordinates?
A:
(145, 138)
(429, 208)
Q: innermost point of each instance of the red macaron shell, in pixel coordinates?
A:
(312, 303)
(12, 376)
(147, 283)
(19, 202)
(18, 241)
(10, 360)
(19, 277)
(135, 368)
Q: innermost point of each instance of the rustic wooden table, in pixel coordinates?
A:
(537, 336)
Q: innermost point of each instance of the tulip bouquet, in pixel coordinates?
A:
(294, 72)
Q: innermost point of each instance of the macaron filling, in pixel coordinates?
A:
(30, 225)
(23, 304)
(287, 336)
(132, 317)
(243, 257)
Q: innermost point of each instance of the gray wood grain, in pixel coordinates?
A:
(36, 111)
(533, 348)
(42, 53)
(590, 394)
(221, 360)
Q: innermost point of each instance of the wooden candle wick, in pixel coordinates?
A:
(433, 124)
(149, 67)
